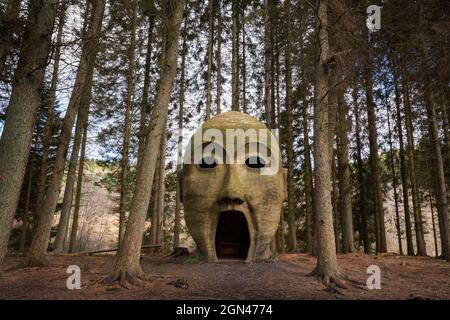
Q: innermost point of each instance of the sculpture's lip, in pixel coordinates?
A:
(233, 211)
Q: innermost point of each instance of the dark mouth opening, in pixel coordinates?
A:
(232, 236)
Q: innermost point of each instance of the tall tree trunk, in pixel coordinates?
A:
(434, 225)
(403, 165)
(418, 225)
(441, 192)
(85, 101)
(38, 247)
(446, 151)
(394, 180)
(235, 63)
(209, 54)
(219, 57)
(127, 267)
(332, 117)
(276, 81)
(47, 133)
(327, 268)
(292, 225)
(244, 65)
(380, 233)
(177, 223)
(154, 210)
(131, 55)
(281, 244)
(9, 23)
(78, 195)
(21, 112)
(145, 103)
(308, 176)
(267, 67)
(362, 200)
(345, 187)
(70, 184)
(334, 197)
(273, 44)
(26, 211)
(161, 192)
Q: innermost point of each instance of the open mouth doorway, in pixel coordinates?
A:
(232, 236)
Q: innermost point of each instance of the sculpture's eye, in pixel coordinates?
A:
(255, 162)
(207, 163)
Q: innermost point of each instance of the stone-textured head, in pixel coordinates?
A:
(233, 187)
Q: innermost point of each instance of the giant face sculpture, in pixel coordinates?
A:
(233, 187)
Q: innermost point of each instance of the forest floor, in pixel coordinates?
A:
(284, 278)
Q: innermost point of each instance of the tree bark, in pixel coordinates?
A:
(38, 247)
(76, 212)
(127, 267)
(145, 103)
(292, 225)
(345, 187)
(161, 192)
(434, 225)
(418, 225)
(441, 192)
(26, 211)
(281, 235)
(21, 112)
(154, 209)
(244, 65)
(70, 184)
(131, 55)
(9, 23)
(327, 268)
(308, 182)
(209, 55)
(394, 180)
(403, 165)
(380, 233)
(334, 204)
(446, 151)
(177, 223)
(362, 199)
(267, 68)
(219, 57)
(47, 134)
(235, 56)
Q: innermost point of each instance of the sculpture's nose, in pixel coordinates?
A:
(232, 189)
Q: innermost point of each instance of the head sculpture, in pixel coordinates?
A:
(233, 187)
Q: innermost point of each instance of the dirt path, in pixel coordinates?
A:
(286, 278)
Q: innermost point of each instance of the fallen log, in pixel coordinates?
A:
(180, 251)
(110, 250)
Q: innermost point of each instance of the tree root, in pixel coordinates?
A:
(333, 281)
(34, 263)
(179, 252)
(333, 288)
(355, 283)
(127, 280)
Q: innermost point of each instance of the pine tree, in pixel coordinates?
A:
(127, 268)
(39, 244)
(327, 268)
(22, 109)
